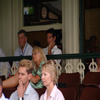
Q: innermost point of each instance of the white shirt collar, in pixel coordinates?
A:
(52, 95)
(28, 89)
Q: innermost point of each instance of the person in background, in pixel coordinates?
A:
(2, 97)
(38, 58)
(24, 90)
(98, 63)
(4, 63)
(24, 49)
(93, 47)
(36, 43)
(52, 48)
(49, 79)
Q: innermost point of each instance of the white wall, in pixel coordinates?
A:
(70, 28)
(8, 26)
(0, 22)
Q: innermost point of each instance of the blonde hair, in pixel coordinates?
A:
(26, 64)
(42, 55)
(51, 68)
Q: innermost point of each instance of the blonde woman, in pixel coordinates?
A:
(49, 79)
(38, 58)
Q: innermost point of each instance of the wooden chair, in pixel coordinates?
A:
(3, 77)
(71, 79)
(82, 87)
(41, 91)
(92, 78)
(90, 93)
(8, 91)
(69, 93)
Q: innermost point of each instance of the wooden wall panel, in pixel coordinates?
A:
(37, 36)
(92, 22)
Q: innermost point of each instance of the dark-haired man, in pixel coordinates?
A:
(52, 48)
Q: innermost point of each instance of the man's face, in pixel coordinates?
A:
(50, 38)
(22, 39)
(23, 75)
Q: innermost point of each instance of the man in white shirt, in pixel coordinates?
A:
(52, 48)
(2, 97)
(24, 90)
(24, 49)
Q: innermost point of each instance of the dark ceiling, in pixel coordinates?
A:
(30, 2)
(91, 4)
(88, 4)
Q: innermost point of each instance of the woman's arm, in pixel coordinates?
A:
(11, 82)
(35, 78)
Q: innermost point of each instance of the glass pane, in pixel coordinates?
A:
(40, 12)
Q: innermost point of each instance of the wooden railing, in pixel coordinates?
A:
(68, 66)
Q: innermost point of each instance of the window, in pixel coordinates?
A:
(42, 12)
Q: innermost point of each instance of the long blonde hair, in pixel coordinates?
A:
(42, 55)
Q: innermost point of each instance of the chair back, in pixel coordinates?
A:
(40, 91)
(3, 77)
(69, 93)
(90, 93)
(92, 78)
(8, 91)
(71, 79)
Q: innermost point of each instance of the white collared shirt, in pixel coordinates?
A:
(3, 97)
(30, 94)
(55, 50)
(56, 94)
(27, 51)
